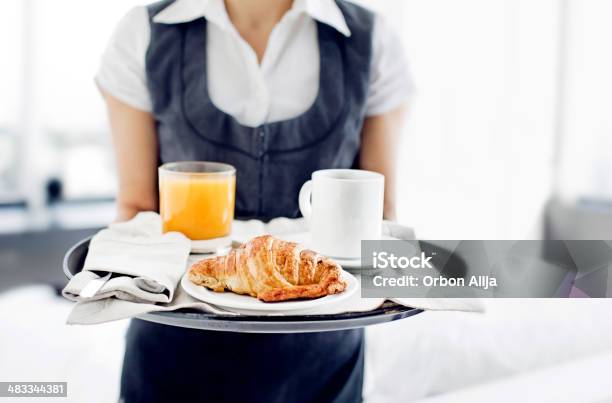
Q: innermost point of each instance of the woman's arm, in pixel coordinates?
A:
(135, 141)
(379, 144)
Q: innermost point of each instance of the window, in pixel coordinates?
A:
(52, 119)
(11, 101)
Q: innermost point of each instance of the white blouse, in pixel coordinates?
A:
(282, 87)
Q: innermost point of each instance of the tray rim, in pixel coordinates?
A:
(264, 323)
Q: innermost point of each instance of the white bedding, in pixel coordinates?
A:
(431, 353)
(585, 380)
(436, 352)
(37, 345)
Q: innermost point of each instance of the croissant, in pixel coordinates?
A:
(270, 269)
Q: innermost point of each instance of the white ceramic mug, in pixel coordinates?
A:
(343, 207)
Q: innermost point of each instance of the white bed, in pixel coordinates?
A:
(438, 352)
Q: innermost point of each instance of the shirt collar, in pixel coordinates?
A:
(325, 11)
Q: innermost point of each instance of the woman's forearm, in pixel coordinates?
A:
(135, 143)
(379, 144)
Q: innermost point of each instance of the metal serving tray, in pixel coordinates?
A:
(388, 312)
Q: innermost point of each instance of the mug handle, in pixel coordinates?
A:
(304, 200)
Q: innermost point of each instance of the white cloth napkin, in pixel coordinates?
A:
(112, 304)
(145, 264)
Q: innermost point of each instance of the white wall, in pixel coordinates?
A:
(477, 155)
(586, 152)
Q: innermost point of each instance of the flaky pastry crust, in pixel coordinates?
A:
(270, 269)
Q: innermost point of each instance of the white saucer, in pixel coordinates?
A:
(254, 305)
(346, 262)
(218, 246)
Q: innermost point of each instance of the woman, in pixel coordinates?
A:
(279, 89)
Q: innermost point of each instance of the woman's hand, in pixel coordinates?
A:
(135, 141)
(379, 144)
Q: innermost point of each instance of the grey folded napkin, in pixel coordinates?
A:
(160, 260)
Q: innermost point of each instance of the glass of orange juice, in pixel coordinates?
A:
(197, 198)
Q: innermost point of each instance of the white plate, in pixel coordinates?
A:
(244, 302)
(348, 263)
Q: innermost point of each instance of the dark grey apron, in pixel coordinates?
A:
(272, 161)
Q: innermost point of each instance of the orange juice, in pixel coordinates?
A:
(198, 205)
